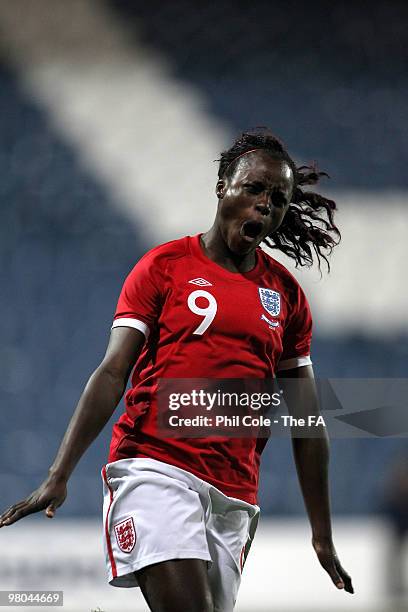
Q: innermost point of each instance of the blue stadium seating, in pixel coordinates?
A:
(64, 264)
(329, 78)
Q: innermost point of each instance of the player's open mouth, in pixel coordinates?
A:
(250, 230)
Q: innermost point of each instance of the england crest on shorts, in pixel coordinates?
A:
(126, 535)
(270, 300)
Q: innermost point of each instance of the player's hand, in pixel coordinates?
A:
(49, 496)
(327, 556)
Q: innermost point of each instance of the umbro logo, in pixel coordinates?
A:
(201, 282)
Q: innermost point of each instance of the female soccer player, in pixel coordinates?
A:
(180, 513)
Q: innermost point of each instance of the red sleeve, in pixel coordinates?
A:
(140, 301)
(297, 336)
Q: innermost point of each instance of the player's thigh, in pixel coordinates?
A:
(176, 585)
(229, 536)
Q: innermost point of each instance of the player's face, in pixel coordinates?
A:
(253, 201)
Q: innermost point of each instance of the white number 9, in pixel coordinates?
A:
(208, 313)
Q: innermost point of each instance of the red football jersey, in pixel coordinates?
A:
(203, 321)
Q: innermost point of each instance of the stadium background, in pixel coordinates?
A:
(111, 114)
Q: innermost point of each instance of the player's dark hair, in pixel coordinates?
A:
(308, 224)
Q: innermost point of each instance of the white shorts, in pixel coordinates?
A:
(156, 512)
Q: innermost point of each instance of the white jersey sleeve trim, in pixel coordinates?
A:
(295, 362)
(135, 323)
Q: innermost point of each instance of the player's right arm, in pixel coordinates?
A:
(98, 401)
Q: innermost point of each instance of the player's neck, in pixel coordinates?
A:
(215, 248)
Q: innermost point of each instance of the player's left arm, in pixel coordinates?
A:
(312, 460)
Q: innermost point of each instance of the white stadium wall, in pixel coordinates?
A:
(281, 572)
